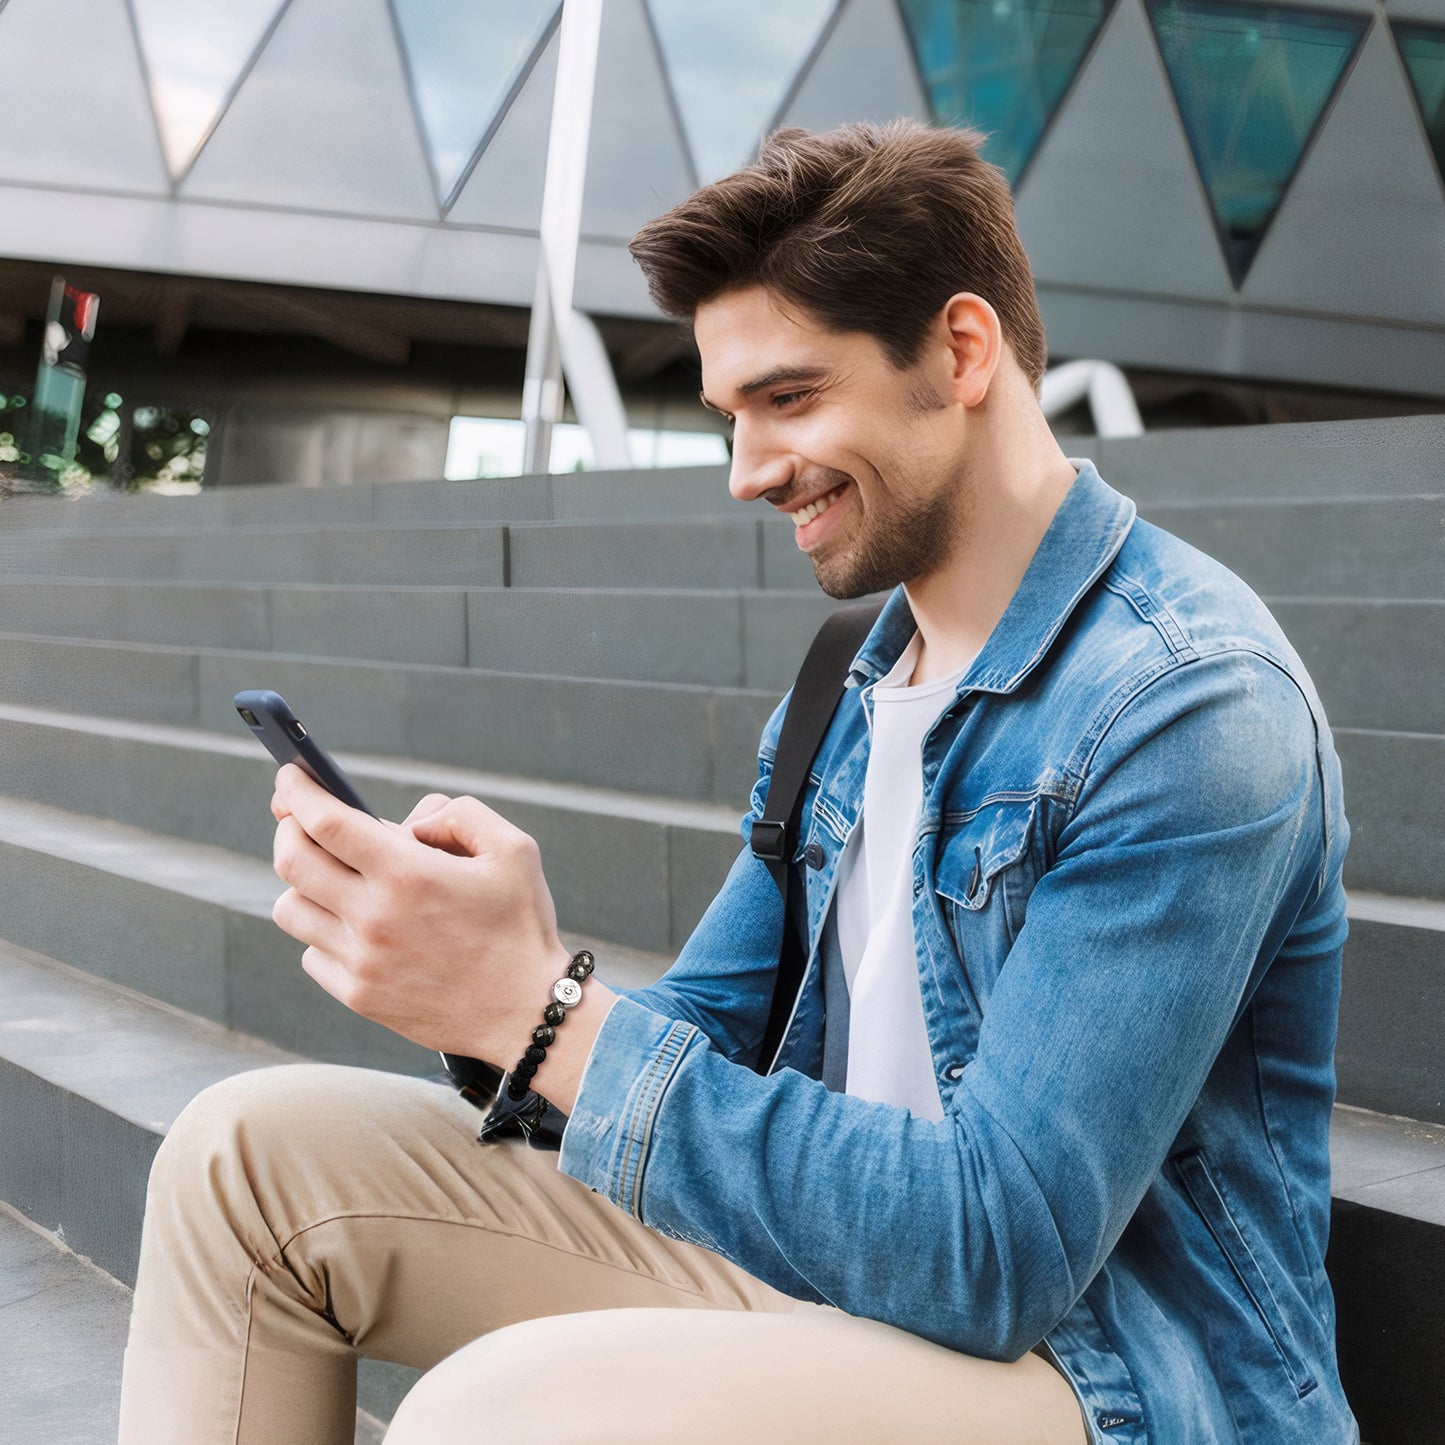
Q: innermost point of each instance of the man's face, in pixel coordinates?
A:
(865, 458)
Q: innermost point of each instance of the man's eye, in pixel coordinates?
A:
(787, 398)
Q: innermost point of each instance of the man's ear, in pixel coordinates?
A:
(970, 329)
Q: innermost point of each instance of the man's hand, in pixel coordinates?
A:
(441, 928)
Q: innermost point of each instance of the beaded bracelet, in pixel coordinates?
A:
(566, 994)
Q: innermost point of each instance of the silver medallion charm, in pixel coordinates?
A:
(567, 992)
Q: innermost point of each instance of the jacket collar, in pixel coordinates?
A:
(1081, 541)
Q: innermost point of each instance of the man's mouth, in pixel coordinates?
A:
(816, 508)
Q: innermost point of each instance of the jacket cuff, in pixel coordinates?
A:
(609, 1132)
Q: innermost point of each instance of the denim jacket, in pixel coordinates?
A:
(1129, 920)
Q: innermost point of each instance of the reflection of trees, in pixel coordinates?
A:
(150, 446)
(132, 449)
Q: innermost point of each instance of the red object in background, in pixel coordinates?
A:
(70, 326)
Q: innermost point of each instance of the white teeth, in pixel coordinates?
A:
(804, 515)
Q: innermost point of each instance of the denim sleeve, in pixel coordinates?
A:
(1194, 841)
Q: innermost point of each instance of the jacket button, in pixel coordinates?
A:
(814, 856)
(954, 1071)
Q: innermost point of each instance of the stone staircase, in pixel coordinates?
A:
(595, 655)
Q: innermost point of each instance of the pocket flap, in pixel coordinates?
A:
(980, 846)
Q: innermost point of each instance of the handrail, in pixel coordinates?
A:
(1111, 400)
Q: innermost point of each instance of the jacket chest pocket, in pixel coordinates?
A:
(986, 870)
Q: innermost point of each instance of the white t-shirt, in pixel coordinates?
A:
(889, 1059)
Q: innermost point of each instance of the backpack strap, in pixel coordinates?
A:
(774, 838)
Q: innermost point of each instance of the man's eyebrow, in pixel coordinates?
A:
(778, 376)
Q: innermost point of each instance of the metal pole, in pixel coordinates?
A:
(542, 386)
(556, 337)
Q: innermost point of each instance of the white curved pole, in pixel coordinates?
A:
(1111, 400)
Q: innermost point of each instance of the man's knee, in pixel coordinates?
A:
(497, 1381)
(247, 1127)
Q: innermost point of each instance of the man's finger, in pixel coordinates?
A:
(330, 973)
(432, 803)
(311, 870)
(308, 922)
(467, 827)
(354, 837)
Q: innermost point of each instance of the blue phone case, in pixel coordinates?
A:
(284, 736)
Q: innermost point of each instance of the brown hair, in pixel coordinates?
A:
(868, 227)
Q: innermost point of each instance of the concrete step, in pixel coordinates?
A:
(1388, 1054)
(190, 924)
(63, 1323)
(566, 497)
(638, 870)
(1372, 457)
(469, 556)
(1360, 546)
(706, 552)
(91, 1078)
(687, 742)
(1387, 1265)
(1377, 663)
(593, 731)
(92, 1075)
(98, 1086)
(719, 638)
(1394, 798)
(1375, 457)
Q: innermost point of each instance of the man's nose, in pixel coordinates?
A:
(756, 468)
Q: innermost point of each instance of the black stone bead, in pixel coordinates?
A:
(582, 959)
(524, 1069)
(544, 1034)
(535, 1054)
(577, 972)
(517, 1090)
(554, 1013)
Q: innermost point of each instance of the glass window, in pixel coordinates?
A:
(482, 446)
(1252, 83)
(730, 67)
(195, 51)
(1422, 48)
(74, 110)
(463, 59)
(1001, 66)
(323, 120)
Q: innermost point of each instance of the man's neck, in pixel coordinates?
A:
(957, 606)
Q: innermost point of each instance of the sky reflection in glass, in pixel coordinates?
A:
(462, 57)
(1252, 83)
(1001, 66)
(195, 51)
(730, 67)
(1422, 47)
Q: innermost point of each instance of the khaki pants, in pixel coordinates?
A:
(300, 1217)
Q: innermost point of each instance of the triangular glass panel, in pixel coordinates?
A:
(465, 61)
(731, 67)
(1422, 48)
(1002, 66)
(196, 51)
(74, 110)
(1252, 83)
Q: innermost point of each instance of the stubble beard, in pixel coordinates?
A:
(899, 545)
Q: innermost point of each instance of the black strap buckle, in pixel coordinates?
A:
(770, 841)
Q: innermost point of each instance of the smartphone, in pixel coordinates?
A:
(284, 736)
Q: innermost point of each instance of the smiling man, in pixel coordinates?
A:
(1043, 1153)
